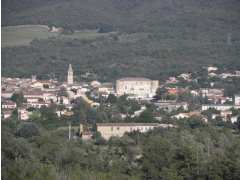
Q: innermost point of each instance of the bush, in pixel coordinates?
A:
(28, 129)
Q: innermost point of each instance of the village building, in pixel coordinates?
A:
(95, 84)
(189, 115)
(212, 68)
(219, 107)
(7, 113)
(7, 94)
(106, 89)
(237, 100)
(8, 104)
(136, 87)
(85, 133)
(33, 93)
(23, 114)
(109, 130)
(171, 105)
(234, 119)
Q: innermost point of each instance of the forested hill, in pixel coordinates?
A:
(171, 35)
(127, 15)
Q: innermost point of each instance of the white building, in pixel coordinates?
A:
(137, 87)
(237, 100)
(219, 107)
(24, 114)
(8, 104)
(108, 130)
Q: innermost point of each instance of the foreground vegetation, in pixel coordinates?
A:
(30, 151)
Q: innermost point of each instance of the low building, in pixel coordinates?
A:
(109, 130)
(189, 115)
(33, 93)
(206, 92)
(7, 93)
(23, 114)
(219, 107)
(8, 104)
(106, 88)
(136, 87)
(7, 113)
(234, 119)
(171, 105)
(237, 100)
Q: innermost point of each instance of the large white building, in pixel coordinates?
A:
(137, 87)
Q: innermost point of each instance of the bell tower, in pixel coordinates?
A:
(70, 75)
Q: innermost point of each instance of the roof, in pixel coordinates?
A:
(134, 79)
(33, 92)
(8, 102)
(127, 124)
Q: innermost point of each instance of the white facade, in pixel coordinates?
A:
(108, 130)
(24, 114)
(219, 107)
(237, 100)
(138, 87)
(9, 105)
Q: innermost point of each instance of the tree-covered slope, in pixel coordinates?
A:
(155, 37)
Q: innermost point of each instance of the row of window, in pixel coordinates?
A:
(132, 129)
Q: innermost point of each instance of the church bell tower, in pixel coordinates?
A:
(70, 75)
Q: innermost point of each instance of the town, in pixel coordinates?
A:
(130, 104)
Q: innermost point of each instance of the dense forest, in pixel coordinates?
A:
(194, 150)
(152, 38)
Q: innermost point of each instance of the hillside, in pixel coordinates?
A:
(155, 38)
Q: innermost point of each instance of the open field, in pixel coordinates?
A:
(23, 35)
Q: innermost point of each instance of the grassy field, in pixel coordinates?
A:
(22, 35)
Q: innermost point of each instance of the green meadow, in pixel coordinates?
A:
(23, 35)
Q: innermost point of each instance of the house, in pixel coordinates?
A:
(190, 114)
(172, 80)
(137, 87)
(185, 76)
(212, 68)
(7, 94)
(237, 99)
(109, 130)
(226, 114)
(63, 100)
(8, 104)
(206, 92)
(219, 107)
(7, 113)
(106, 88)
(171, 105)
(234, 119)
(33, 93)
(139, 112)
(85, 133)
(95, 84)
(23, 114)
(50, 96)
(37, 105)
